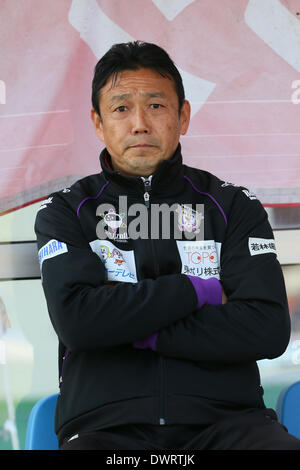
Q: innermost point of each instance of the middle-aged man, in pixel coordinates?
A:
(162, 282)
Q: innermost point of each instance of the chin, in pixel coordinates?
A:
(143, 170)
(144, 160)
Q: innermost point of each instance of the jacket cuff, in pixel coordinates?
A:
(146, 343)
(209, 291)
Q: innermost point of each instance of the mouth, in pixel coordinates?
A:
(141, 146)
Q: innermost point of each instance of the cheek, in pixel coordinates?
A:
(172, 131)
(172, 124)
(112, 134)
(167, 127)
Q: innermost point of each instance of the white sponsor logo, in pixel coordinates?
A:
(114, 225)
(47, 201)
(189, 219)
(200, 258)
(261, 246)
(51, 249)
(119, 264)
(226, 183)
(249, 194)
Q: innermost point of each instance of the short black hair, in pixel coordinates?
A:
(132, 56)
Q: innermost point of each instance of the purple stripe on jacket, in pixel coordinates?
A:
(210, 196)
(91, 197)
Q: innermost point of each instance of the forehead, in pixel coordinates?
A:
(139, 82)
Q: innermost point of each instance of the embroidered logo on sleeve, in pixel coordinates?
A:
(51, 249)
(45, 203)
(119, 264)
(226, 183)
(261, 246)
(249, 194)
(200, 258)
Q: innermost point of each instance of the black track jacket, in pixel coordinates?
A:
(204, 355)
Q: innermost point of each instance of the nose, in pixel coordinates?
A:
(140, 124)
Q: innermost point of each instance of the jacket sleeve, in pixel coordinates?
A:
(254, 323)
(85, 311)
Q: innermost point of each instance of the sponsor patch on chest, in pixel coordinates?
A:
(200, 258)
(119, 264)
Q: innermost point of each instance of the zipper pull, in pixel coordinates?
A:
(147, 187)
(146, 199)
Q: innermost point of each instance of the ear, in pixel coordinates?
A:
(185, 116)
(97, 124)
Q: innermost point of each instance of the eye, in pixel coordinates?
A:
(121, 109)
(156, 106)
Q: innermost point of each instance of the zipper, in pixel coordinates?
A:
(161, 419)
(147, 188)
(67, 352)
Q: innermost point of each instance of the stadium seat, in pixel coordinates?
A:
(40, 433)
(288, 408)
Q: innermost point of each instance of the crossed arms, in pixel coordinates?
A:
(251, 321)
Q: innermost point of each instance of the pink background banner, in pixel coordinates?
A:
(240, 63)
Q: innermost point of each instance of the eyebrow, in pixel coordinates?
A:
(115, 98)
(156, 94)
(124, 96)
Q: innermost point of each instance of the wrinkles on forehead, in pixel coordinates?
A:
(142, 83)
(133, 79)
(125, 96)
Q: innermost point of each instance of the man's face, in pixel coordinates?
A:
(140, 124)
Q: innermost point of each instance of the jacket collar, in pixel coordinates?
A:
(165, 175)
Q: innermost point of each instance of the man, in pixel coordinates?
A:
(159, 334)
